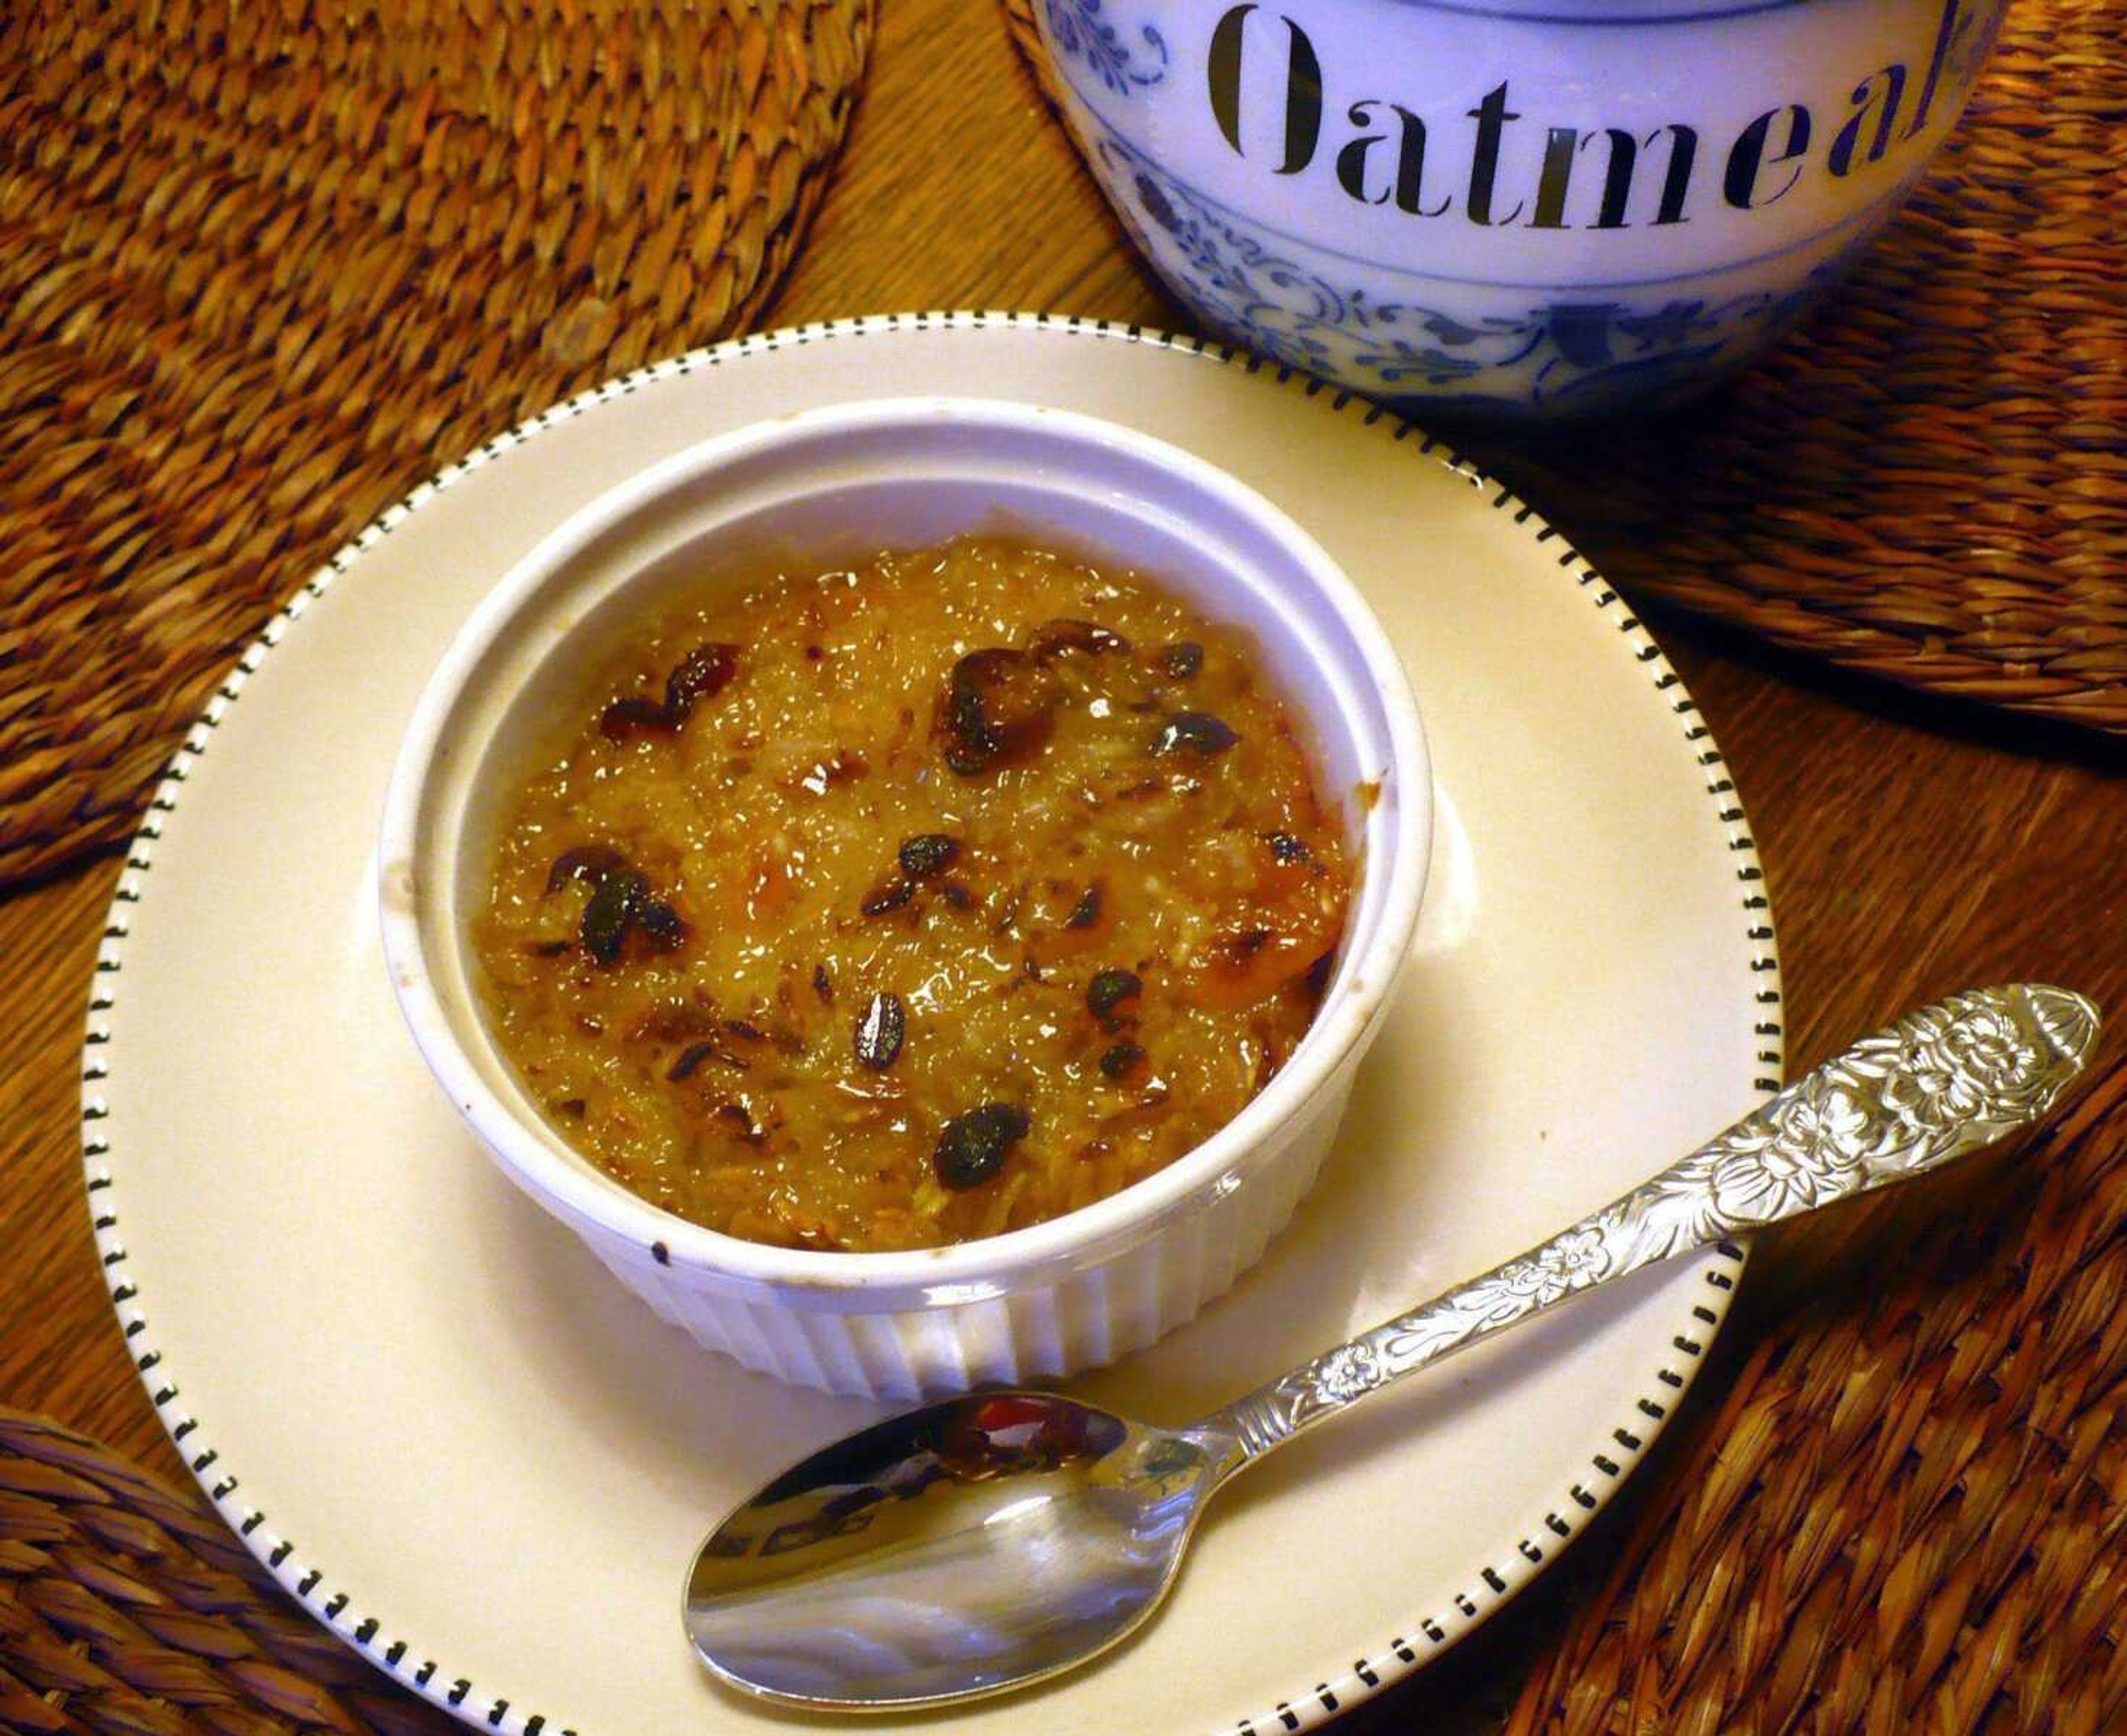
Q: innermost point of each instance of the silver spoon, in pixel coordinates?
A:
(990, 1540)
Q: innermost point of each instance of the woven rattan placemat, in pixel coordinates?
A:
(262, 267)
(1909, 1513)
(127, 1607)
(1929, 483)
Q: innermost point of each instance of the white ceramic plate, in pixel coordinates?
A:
(466, 1451)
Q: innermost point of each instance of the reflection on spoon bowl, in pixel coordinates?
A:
(1090, 1512)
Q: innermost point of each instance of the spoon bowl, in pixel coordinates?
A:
(1093, 1511)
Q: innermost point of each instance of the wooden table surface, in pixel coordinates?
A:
(1911, 849)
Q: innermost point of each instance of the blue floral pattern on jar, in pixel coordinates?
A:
(1081, 30)
(1580, 350)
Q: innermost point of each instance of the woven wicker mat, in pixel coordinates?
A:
(126, 1607)
(1929, 484)
(263, 267)
(1908, 1513)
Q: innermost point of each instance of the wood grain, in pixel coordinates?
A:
(1911, 849)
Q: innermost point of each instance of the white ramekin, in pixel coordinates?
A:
(839, 484)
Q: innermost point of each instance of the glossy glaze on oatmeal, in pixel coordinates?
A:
(889, 907)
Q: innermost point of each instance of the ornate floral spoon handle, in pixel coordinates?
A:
(1942, 1081)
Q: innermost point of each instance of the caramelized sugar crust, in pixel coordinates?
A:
(888, 907)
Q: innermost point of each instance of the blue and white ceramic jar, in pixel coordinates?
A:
(1513, 207)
